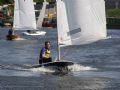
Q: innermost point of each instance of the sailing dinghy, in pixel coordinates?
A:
(39, 22)
(24, 17)
(78, 22)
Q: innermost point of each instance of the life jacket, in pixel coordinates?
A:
(47, 53)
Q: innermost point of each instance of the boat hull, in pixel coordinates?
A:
(35, 33)
(55, 64)
(12, 37)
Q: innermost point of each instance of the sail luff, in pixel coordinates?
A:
(62, 24)
(16, 14)
(41, 15)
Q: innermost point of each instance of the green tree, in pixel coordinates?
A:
(1, 2)
(6, 2)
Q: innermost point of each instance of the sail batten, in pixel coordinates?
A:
(24, 15)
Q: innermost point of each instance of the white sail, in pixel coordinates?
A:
(81, 21)
(62, 22)
(41, 15)
(24, 15)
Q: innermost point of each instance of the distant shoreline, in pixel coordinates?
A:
(113, 23)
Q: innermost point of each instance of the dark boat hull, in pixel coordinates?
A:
(12, 37)
(55, 64)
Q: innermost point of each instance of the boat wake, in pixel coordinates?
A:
(42, 69)
(71, 68)
(19, 39)
(21, 69)
(108, 37)
(14, 67)
(78, 67)
(27, 68)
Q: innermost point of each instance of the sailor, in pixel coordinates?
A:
(10, 32)
(28, 31)
(45, 54)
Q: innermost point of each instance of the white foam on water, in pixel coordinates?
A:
(72, 68)
(17, 39)
(42, 69)
(77, 68)
(108, 37)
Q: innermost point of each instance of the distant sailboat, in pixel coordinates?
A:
(39, 22)
(24, 17)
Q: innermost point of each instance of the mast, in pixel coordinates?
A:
(58, 45)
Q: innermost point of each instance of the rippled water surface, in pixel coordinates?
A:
(97, 65)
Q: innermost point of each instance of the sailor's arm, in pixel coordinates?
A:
(44, 55)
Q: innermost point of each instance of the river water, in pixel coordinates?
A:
(97, 65)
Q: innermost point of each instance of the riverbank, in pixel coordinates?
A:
(113, 23)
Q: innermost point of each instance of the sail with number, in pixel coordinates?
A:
(80, 21)
(24, 15)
